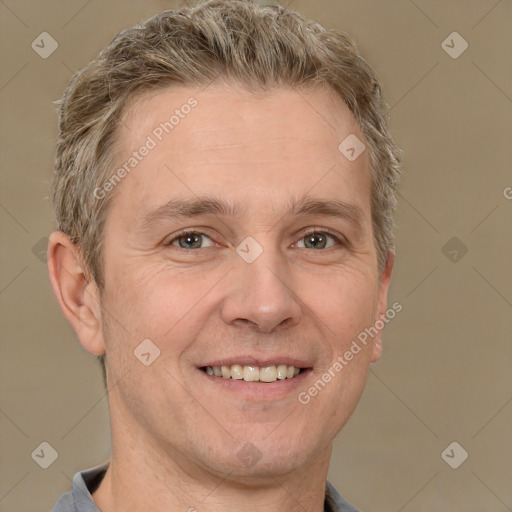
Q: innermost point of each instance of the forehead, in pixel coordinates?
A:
(233, 142)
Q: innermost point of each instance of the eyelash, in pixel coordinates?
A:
(339, 240)
(315, 231)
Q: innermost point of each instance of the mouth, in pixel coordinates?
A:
(250, 373)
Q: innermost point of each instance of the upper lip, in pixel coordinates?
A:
(261, 361)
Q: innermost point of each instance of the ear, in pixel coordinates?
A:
(78, 295)
(382, 304)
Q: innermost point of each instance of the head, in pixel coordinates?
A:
(225, 120)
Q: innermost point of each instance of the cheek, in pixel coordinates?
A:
(345, 303)
(163, 304)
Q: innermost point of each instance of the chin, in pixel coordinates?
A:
(258, 462)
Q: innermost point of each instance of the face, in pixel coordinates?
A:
(242, 239)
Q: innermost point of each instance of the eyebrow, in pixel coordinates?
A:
(176, 209)
(330, 208)
(191, 207)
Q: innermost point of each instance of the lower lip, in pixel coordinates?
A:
(260, 390)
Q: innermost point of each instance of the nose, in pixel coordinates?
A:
(260, 295)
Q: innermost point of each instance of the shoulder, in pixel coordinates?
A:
(79, 499)
(66, 503)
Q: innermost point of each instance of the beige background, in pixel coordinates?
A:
(445, 375)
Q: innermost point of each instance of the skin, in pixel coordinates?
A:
(181, 429)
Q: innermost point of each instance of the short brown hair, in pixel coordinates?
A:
(258, 47)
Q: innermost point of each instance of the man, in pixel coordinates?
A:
(224, 187)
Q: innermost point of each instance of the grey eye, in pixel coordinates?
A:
(192, 240)
(317, 240)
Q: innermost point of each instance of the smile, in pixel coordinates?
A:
(253, 373)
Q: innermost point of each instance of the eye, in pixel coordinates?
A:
(191, 240)
(317, 240)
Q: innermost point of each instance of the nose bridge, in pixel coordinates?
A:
(262, 291)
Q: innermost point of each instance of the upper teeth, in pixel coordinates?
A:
(254, 373)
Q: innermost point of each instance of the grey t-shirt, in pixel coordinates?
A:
(79, 499)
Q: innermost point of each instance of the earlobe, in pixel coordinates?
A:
(77, 295)
(376, 348)
(384, 280)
